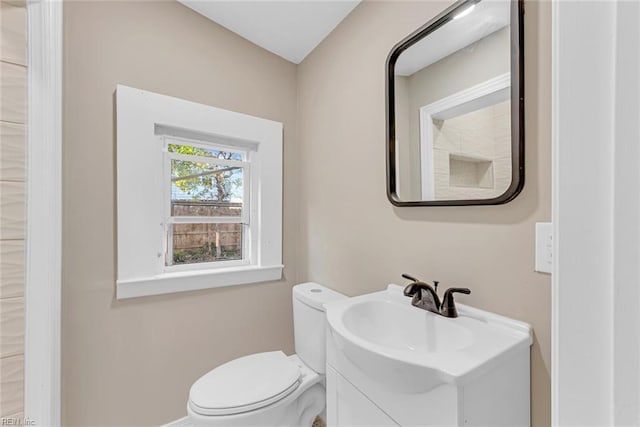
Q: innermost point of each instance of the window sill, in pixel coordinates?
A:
(194, 280)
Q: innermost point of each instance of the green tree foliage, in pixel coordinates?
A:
(203, 181)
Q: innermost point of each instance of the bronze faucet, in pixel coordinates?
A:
(425, 296)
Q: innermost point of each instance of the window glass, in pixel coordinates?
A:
(205, 182)
(207, 189)
(192, 150)
(205, 208)
(196, 243)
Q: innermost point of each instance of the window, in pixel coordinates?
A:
(207, 212)
(199, 196)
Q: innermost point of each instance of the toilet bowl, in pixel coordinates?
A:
(271, 389)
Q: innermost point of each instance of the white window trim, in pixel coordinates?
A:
(449, 104)
(141, 212)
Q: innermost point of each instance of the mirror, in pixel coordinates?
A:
(455, 108)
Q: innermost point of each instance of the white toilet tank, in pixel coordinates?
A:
(309, 322)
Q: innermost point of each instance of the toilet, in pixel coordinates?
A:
(271, 388)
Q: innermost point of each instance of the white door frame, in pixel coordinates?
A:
(44, 213)
(596, 214)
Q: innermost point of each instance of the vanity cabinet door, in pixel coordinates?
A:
(347, 407)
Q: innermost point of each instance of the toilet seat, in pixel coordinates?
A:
(245, 384)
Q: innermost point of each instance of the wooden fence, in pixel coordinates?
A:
(221, 239)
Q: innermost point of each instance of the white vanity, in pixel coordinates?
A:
(390, 363)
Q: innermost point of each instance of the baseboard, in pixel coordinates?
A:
(182, 422)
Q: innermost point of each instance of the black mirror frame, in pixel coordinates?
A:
(517, 107)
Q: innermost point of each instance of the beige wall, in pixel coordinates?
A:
(132, 362)
(408, 184)
(13, 116)
(354, 240)
(485, 59)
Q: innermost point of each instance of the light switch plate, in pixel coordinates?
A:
(544, 247)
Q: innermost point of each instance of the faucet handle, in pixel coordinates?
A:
(406, 276)
(448, 307)
(415, 286)
(412, 288)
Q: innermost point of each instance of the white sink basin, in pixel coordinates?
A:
(378, 322)
(413, 350)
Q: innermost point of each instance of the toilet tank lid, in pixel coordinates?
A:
(316, 295)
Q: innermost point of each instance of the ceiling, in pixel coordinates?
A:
(290, 29)
(486, 18)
